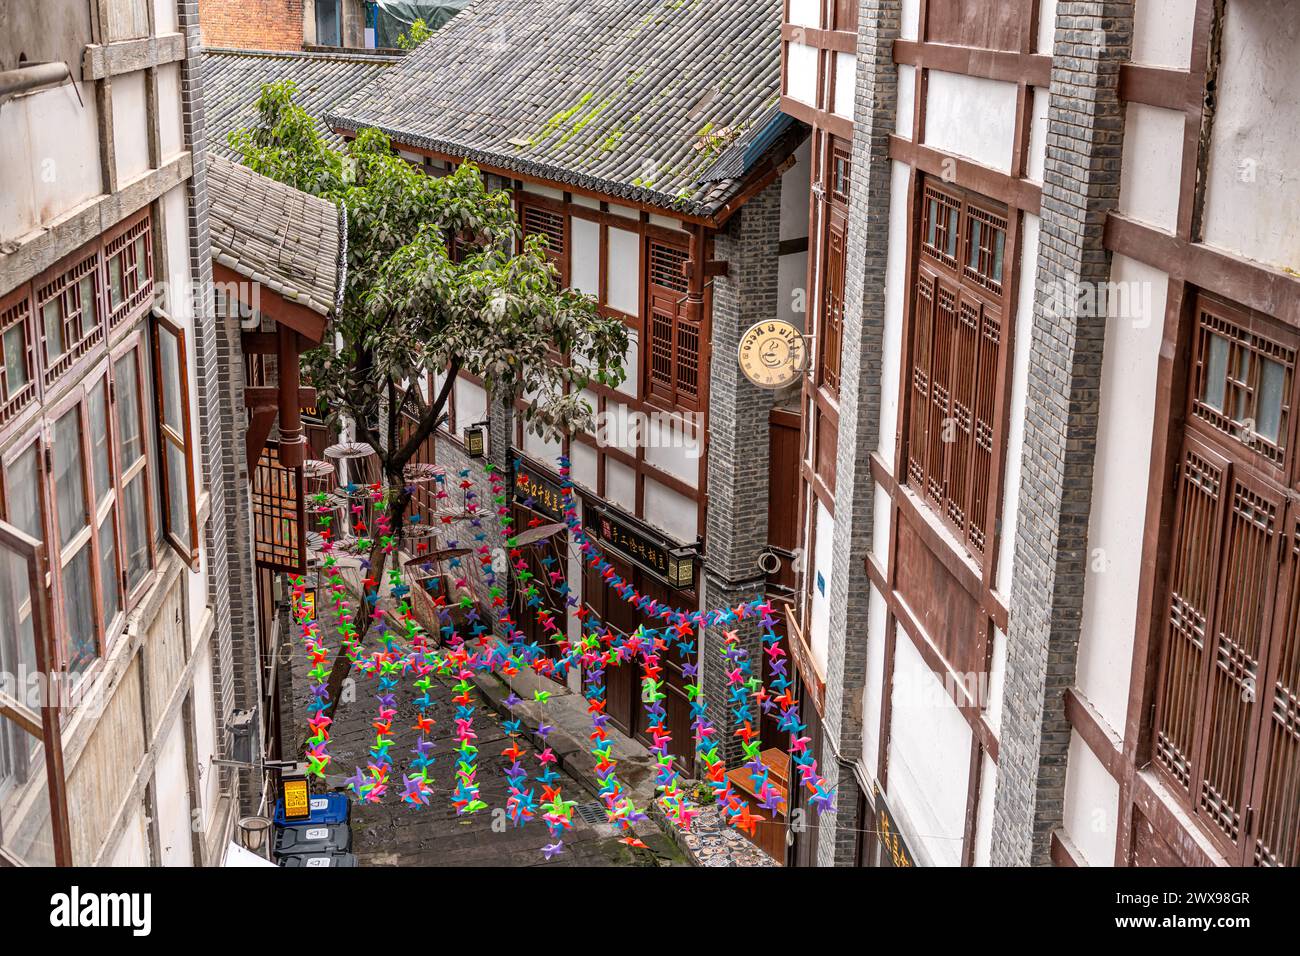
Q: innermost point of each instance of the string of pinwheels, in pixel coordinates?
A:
(600, 646)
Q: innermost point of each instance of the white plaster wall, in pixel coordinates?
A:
(792, 278)
(133, 848)
(538, 189)
(984, 811)
(173, 799)
(905, 117)
(1091, 805)
(896, 293)
(165, 20)
(674, 447)
(997, 681)
(846, 72)
(627, 212)
(1037, 152)
(205, 736)
(631, 385)
(1046, 26)
(880, 528)
(806, 13)
(801, 66)
(910, 18)
(971, 117)
(130, 126)
(1162, 32)
(872, 696)
(670, 512)
(49, 157)
(471, 405)
(170, 128)
(583, 460)
(1252, 204)
(824, 563)
(584, 255)
(620, 485)
(929, 758)
(623, 271)
(1119, 493)
(541, 450)
(1151, 165)
(1019, 392)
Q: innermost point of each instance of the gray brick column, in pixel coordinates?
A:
(1085, 138)
(236, 661)
(864, 320)
(739, 460)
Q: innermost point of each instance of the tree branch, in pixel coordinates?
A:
(430, 420)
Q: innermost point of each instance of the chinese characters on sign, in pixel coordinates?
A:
(629, 542)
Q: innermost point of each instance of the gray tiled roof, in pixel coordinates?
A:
(632, 98)
(292, 243)
(233, 80)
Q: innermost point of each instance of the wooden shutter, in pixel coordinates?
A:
(674, 353)
(1249, 557)
(833, 299)
(1202, 475)
(537, 221)
(278, 514)
(1277, 791)
(919, 424)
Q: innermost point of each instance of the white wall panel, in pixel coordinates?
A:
(1091, 805)
(1149, 176)
(971, 117)
(130, 126)
(1162, 32)
(1126, 419)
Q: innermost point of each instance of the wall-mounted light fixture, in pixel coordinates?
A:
(476, 439)
(681, 568)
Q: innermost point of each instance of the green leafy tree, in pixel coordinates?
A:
(495, 310)
(416, 34)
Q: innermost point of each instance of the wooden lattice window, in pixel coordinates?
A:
(674, 353)
(1227, 722)
(279, 513)
(128, 261)
(830, 346)
(986, 240)
(1244, 380)
(538, 221)
(956, 364)
(70, 315)
(17, 358)
(941, 232)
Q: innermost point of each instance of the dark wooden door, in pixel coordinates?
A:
(543, 558)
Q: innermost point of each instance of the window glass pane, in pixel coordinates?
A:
(952, 234)
(934, 220)
(169, 349)
(976, 229)
(70, 495)
(97, 410)
(108, 571)
(1216, 372)
(24, 816)
(141, 274)
(89, 307)
(23, 494)
(53, 316)
(115, 291)
(137, 531)
(177, 500)
(999, 250)
(130, 441)
(15, 346)
(1272, 380)
(79, 611)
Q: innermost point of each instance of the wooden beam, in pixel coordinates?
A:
(130, 56)
(985, 180)
(1005, 65)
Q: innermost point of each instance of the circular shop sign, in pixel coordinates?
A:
(772, 354)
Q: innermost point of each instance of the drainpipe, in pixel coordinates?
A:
(34, 77)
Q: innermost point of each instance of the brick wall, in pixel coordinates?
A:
(252, 24)
(1084, 144)
(864, 320)
(739, 462)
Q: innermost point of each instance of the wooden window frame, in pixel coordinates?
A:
(670, 394)
(977, 357)
(16, 309)
(134, 348)
(44, 726)
(119, 243)
(188, 549)
(62, 284)
(1240, 503)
